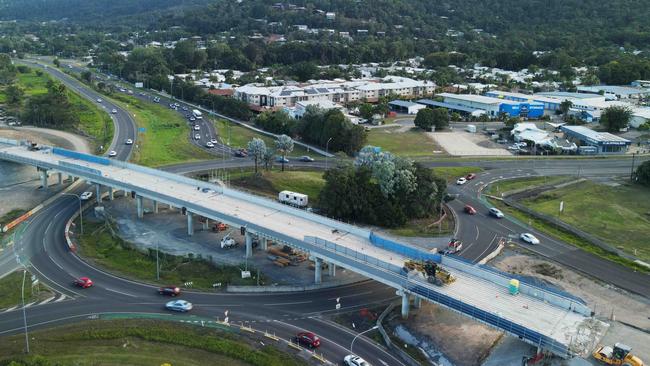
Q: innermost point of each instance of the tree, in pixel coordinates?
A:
(56, 62)
(366, 111)
(256, 150)
(268, 158)
(440, 118)
(565, 106)
(284, 145)
(86, 76)
(511, 122)
(642, 174)
(615, 118)
(424, 119)
(14, 94)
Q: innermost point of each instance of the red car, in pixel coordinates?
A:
(308, 339)
(470, 210)
(169, 290)
(83, 282)
(470, 176)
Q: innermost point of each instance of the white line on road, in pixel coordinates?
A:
(30, 304)
(289, 303)
(119, 292)
(348, 296)
(47, 300)
(477, 233)
(10, 309)
(60, 298)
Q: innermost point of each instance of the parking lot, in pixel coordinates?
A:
(461, 143)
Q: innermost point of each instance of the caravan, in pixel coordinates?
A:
(293, 198)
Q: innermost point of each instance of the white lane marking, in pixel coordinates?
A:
(47, 300)
(30, 304)
(10, 309)
(119, 292)
(289, 303)
(348, 296)
(53, 261)
(45, 235)
(56, 283)
(477, 233)
(63, 297)
(486, 248)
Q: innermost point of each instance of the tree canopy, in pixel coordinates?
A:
(615, 118)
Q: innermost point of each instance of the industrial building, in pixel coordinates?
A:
(593, 142)
(464, 111)
(550, 104)
(493, 107)
(402, 106)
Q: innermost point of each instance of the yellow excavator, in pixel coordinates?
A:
(617, 355)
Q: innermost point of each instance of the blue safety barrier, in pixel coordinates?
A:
(403, 249)
(81, 156)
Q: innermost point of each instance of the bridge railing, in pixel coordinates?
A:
(403, 249)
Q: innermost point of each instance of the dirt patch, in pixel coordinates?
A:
(467, 144)
(602, 298)
(47, 136)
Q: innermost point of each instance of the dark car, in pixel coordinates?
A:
(308, 339)
(470, 176)
(169, 290)
(241, 153)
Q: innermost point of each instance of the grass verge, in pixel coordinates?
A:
(100, 246)
(140, 342)
(165, 139)
(11, 289)
(412, 143)
(270, 183)
(510, 185)
(452, 173)
(237, 136)
(425, 227)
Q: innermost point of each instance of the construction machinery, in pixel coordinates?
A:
(617, 355)
(228, 241)
(219, 226)
(429, 270)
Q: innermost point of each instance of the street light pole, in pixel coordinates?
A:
(356, 336)
(632, 170)
(157, 265)
(25, 311)
(327, 151)
(81, 216)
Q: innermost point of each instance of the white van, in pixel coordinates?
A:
(293, 198)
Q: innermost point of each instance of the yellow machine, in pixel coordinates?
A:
(617, 355)
(432, 272)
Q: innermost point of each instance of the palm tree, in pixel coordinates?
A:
(284, 145)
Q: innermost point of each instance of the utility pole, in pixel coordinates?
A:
(157, 265)
(25, 311)
(632, 170)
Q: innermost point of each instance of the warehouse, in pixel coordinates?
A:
(463, 111)
(550, 104)
(402, 106)
(495, 106)
(600, 142)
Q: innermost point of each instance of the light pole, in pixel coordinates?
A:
(157, 265)
(327, 145)
(25, 311)
(171, 88)
(632, 170)
(356, 336)
(81, 216)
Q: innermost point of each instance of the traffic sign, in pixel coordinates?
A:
(142, 129)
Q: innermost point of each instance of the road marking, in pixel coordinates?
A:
(289, 303)
(486, 248)
(119, 292)
(30, 304)
(63, 297)
(10, 309)
(477, 233)
(346, 297)
(47, 300)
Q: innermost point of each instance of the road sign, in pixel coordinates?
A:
(561, 206)
(338, 306)
(142, 129)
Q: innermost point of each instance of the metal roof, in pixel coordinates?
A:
(402, 103)
(433, 103)
(594, 136)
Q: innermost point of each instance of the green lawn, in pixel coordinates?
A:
(509, 185)
(140, 342)
(452, 173)
(166, 137)
(619, 215)
(33, 83)
(425, 227)
(270, 183)
(237, 136)
(412, 143)
(99, 246)
(11, 290)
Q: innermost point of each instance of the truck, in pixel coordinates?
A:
(617, 355)
(453, 247)
(197, 114)
(429, 271)
(293, 198)
(228, 242)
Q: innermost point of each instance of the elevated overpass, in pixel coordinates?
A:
(544, 317)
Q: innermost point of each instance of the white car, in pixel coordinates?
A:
(114, 111)
(179, 305)
(529, 238)
(86, 196)
(461, 181)
(112, 154)
(197, 136)
(197, 127)
(99, 100)
(129, 142)
(496, 213)
(209, 144)
(214, 141)
(353, 360)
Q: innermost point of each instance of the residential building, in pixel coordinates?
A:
(300, 108)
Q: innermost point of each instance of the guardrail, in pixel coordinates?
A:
(403, 249)
(81, 156)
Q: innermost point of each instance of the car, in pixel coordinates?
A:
(197, 136)
(179, 305)
(112, 154)
(308, 339)
(129, 142)
(192, 119)
(306, 159)
(209, 144)
(184, 108)
(461, 181)
(86, 196)
(197, 127)
(99, 100)
(83, 282)
(529, 238)
(280, 159)
(114, 111)
(241, 153)
(493, 211)
(156, 100)
(122, 90)
(469, 210)
(354, 360)
(470, 176)
(169, 291)
(208, 190)
(214, 141)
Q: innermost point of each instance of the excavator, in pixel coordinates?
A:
(617, 355)
(433, 272)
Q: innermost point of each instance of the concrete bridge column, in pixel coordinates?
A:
(98, 193)
(171, 207)
(43, 173)
(138, 203)
(155, 207)
(71, 178)
(111, 194)
(249, 244)
(60, 178)
(318, 269)
(206, 224)
(405, 305)
(264, 244)
(190, 223)
(332, 269)
(417, 302)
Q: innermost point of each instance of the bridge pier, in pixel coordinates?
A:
(98, 193)
(331, 267)
(249, 244)
(417, 302)
(405, 305)
(43, 173)
(155, 207)
(190, 223)
(138, 203)
(111, 194)
(318, 269)
(264, 244)
(206, 224)
(60, 178)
